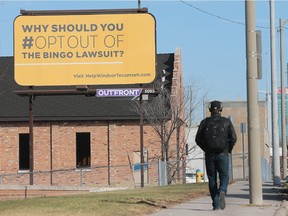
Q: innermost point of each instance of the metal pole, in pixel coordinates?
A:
(243, 131)
(275, 132)
(141, 142)
(81, 177)
(283, 100)
(109, 153)
(190, 107)
(243, 156)
(31, 142)
(178, 153)
(51, 154)
(255, 181)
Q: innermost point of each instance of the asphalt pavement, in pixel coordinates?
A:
(237, 203)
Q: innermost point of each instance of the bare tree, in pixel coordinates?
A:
(196, 98)
(167, 114)
(163, 117)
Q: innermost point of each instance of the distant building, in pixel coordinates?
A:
(279, 99)
(195, 156)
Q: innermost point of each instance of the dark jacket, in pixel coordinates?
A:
(231, 134)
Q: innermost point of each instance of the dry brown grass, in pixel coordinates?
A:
(127, 202)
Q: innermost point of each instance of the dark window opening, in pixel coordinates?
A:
(83, 153)
(24, 151)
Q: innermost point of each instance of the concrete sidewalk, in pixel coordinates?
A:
(237, 203)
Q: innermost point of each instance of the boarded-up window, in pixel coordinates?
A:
(83, 153)
(24, 152)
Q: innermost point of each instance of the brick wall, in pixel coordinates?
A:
(179, 102)
(55, 149)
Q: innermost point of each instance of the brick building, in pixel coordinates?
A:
(81, 140)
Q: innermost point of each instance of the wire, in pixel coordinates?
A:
(219, 17)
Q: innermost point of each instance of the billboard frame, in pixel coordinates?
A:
(138, 78)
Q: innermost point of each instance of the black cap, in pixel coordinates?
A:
(215, 105)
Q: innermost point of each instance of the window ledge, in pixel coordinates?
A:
(84, 169)
(23, 171)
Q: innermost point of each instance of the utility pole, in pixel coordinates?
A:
(275, 132)
(255, 181)
(283, 100)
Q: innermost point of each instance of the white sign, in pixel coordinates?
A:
(130, 92)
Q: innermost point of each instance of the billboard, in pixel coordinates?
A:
(96, 49)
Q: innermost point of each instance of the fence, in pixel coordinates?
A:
(239, 166)
(128, 175)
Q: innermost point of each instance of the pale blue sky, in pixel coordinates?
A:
(211, 35)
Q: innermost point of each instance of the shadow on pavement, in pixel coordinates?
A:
(270, 192)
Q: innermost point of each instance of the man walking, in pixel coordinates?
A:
(216, 137)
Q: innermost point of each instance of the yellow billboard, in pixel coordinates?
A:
(95, 49)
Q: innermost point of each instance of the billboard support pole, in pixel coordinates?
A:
(141, 141)
(31, 142)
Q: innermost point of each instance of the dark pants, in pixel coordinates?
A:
(217, 164)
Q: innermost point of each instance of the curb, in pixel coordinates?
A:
(283, 209)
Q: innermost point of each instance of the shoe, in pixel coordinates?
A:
(222, 200)
(216, 208)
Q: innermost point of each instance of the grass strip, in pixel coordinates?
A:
(143, 201)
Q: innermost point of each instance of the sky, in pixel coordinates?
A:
(210, 34)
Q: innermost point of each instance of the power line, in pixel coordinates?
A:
(218, 17)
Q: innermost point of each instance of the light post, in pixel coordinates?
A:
(275, 127)
(283, 92)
